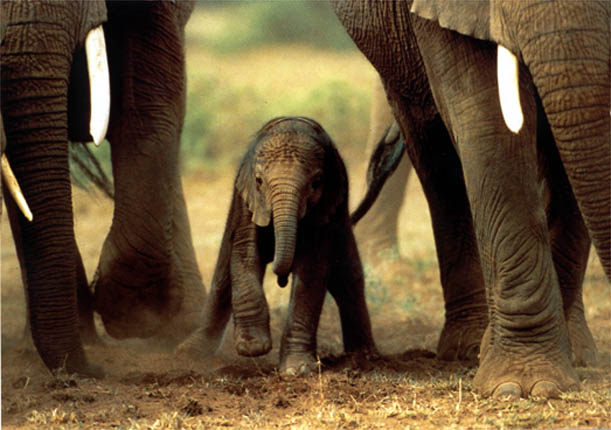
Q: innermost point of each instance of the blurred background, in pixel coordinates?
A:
(249, 61)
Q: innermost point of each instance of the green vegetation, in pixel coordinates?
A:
(232, 89)
(225, 108)
(243, 25)
(388, 295)
(221, 119)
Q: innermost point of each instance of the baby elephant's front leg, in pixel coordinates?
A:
(298, 346)
(250, 310)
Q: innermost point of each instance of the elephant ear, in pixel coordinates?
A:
(247, 190)
(482, 19)
(335, 188)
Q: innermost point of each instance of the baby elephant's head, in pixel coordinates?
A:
(295, 171)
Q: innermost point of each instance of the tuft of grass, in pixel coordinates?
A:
(52, 417)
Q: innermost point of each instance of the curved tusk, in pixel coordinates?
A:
(509, 91)
(99, 83)
(13, 187)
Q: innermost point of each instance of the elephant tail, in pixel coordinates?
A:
(383, 162)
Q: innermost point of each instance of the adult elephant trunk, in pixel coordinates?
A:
(568, 57)
(285, 202)
(36, 120)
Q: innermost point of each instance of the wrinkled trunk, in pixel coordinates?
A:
(36, 129)
(285, 209)
(568, 58)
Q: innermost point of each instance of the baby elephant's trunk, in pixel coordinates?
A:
(285, 208)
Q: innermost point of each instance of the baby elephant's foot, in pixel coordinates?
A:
(301, 363)
(252, 341)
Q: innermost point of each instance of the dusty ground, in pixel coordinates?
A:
(406, 388)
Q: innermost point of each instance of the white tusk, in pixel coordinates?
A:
(99, 84)
(13, 187)
(509, 91)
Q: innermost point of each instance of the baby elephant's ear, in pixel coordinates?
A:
(254, 200)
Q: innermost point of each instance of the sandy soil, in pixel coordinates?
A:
(148, 388)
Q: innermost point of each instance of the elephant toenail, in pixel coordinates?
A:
(508, 391)
(546, 389)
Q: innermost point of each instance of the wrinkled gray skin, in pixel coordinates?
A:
(147, 282)
(533, 245)
(289, 207)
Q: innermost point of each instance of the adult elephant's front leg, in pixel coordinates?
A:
(147, 282)
(525, 349)
(438, 167)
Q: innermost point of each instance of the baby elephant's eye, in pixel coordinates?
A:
(317, 183)
(259, 181)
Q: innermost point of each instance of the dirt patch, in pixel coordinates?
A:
(406, 387)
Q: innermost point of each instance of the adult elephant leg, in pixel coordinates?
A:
(147, 282)
(525, 349)
(568, 58)
(377, 232)
(570, 247)
(440, 173)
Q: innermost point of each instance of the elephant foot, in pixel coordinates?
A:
(513, 390)
(524, 373)
(198, 346)
(252, 341)
(460, 339)
(146, 299)
(583, 348)
(295, 364)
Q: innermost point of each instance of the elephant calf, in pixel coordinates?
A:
(289, 206)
